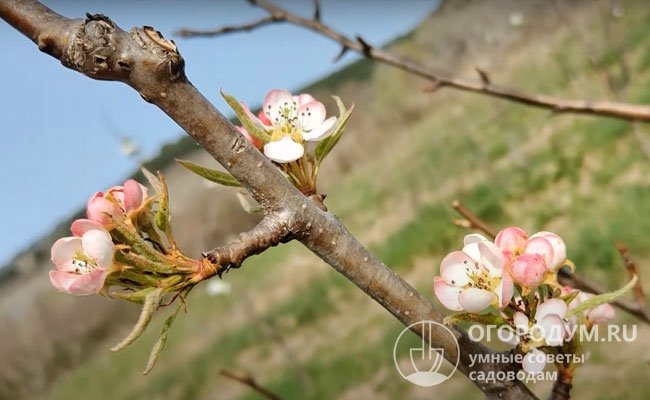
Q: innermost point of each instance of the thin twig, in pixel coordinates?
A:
(632, 271)
(251, 383)
(626, 111)
(228, 29)
(564, 276)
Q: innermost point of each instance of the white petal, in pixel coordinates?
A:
(474, 238)
(554, 330)
(303, 99)
(311, 115)
(521, 322)
(322, 131)
(99, 246)
(284, 150)
(447, 294)
(279, 106)
(491, 257)
(453, 268)
(551, 306)
(64, 250)
(534, 361)
(475, 300)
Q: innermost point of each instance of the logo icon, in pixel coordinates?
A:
(426, 367)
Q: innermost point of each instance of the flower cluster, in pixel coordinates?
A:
(513, 281)
(125, 242)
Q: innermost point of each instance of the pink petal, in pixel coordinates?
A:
(447, 294)
(262, 118)
(322, 131)
(64, 249)
(541, 246)
(475, 300)
(303, 99)
(133, 195)
(549, 307)
(453, 268)
(511, 239)
(99, 246)
(279, 106)
(80, 285)
(601, 314)
(533, 363)
(262, 124)
(529, 270)
(82, 225)
(284, 150)
(559, 249)
(103, 211)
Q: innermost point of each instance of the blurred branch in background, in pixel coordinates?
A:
(249, 381)
(472, 221)
(483, 85)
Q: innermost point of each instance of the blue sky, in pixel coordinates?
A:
(60, 129)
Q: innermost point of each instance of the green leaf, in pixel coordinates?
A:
(163, 215)
(213, 175)
(162, 339)
(153, 179)
(245, 118)
(486, 319)
(602, 298)
(326, 145)
(151, 302)
(137, 297)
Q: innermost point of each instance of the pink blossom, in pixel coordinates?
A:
(291, 121)
(550, 246)
(114, 204)
(474, 278)
(82, 261)
(529, 270)
(511, 240)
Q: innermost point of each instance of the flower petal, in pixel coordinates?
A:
(521, 322)
(279, 106)
(80, 285)
(447, 294)
(311, 115)
(559, 249)
(541, 246)
(474, 238)
(553, 329)
(133, 195)
(322, 131)
(512, 239)
(64, 249)
(601, 314)
(303, 99)
(534, 361)
(284, 150)
(99, 246)
(505, 290)
(492, 258)
(454, 268)
(82, 225)
(551, 306)
(475, 300)
(102, 210)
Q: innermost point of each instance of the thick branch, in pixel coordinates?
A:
(626, 111)
(564, 276)
(271, 231)
(152, 65)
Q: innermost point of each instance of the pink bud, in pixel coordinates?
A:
(113, 205)
(529, 270)
(554, 258)
(511, 239)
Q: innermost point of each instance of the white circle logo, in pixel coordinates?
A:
(419, 363)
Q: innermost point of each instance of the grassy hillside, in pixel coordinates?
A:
(305, 332)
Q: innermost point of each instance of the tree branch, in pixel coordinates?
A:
(472, 221)
(626, 111)
(251, 383)
(187, 32)
(144, 60)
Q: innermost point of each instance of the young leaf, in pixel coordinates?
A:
(153, 179)
(326, 145)
(163, 216)
(151, 302)
(162, 339)
(602, 298)
(213, 175)
(246, 118)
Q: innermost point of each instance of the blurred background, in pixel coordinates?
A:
(286, 318)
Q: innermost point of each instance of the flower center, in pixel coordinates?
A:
(83, 264)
